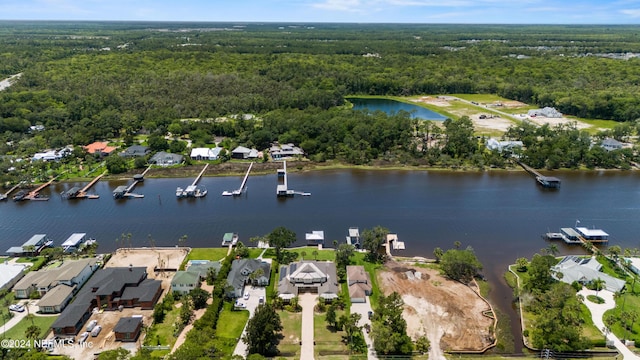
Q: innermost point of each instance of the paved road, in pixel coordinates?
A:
(598, 310)
(363, 309)
(510, 116)
(308, 303)
(251, 303)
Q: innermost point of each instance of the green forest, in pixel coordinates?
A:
(89, 81)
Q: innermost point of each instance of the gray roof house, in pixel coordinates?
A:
(166, 159)
(584, 270)
(38, 241)
(240, 275)
(56, 299)
(318, 277)
(242, 152)
(359, 283)
(10, 274)
(72, 273)
(611, 144)
(135, 151)
(185, 281)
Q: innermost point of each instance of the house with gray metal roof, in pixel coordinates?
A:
(38, 242)
(71, 273)
(242, 152)
(244, 272)
(318, 277)
(135, 151)
(185, 281)
(584, 270)
(10, 274)
(166, 159)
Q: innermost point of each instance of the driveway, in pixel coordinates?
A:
(17, 316)
(308, 303)
(598, 310)
(363, 309)
(251, 305)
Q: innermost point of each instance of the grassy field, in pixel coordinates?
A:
(162, 333)
(230, 326)
(42, 322)
(292, 331)
(213, 254)
(329, 342)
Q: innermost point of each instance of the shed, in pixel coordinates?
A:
(128, 328)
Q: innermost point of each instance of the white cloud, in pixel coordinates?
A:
(634, 13)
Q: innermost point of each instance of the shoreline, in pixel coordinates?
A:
(231, 169)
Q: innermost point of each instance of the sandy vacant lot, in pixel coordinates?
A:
(449, 313)
(152, 258)
(541, 120)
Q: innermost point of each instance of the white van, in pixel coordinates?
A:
(96, 330)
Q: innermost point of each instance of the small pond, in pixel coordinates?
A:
(392, 107)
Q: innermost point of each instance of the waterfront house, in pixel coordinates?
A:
(317, 277)
(613, 144)
(202, 267)
(10, 274)
(31, 247)
(135, 151)
(185, 281)
(101, 148)
(128, 328)
(50, 155)
(242, 152)
(500, 146)
(56, 299)
(166, 159)
(584, 270)
(285, 151)
(74, 241)
(73, 273)
(359, 283)
(205, 153)
(108, 289)
(247, 272)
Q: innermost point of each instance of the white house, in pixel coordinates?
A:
(546, 112)
(205, 153)
(584, 270)
(285, 151)
(493, 144)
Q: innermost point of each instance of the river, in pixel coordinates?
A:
(500, 214)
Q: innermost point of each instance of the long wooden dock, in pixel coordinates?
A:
(193, 191)
(282, 189)
(242, 187)
(82, 194)
(35, 194)
(550, 182)
(5, 196)
(195, 182)
(137, 179)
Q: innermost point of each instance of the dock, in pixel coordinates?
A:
(193, 190)
(243, 185)
(5, 196)
(548, 182)
(77, 193)
(392, 242)
(34, 195)
(124, 192)
(282, 190)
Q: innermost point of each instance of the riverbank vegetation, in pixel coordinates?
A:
(174, 85)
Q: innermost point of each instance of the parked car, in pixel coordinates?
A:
(83, 337)
(246, 295)
(239, 304)
(261, 300)
(91, 325)
(16, 307)
(96, 330)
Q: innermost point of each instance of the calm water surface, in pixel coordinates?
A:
(392, 106)
(501, 215)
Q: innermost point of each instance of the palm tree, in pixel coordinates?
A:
(303, 254)
(315, 254)
(32, 332)
(598, 284)
(553, 249)
(457, 244)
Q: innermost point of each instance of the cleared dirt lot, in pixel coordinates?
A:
(152, 258)
(106, 339)
(449, 313)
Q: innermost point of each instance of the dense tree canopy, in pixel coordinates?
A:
(460, 265)
(263, 331)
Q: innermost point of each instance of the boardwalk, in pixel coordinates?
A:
(545, 181)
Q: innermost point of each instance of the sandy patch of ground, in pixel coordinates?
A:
(490, 122)
(437, 101)
(7, 82)
(449, 313)
(152, 258)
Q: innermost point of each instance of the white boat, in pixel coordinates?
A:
(180, 192)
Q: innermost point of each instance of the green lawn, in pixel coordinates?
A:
(162, 333)
(292, 331)
(229, 328)
(37, 262)
(328, 342)
(43, 322)
(213, 254)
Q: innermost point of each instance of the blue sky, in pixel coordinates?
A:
(358, 11)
